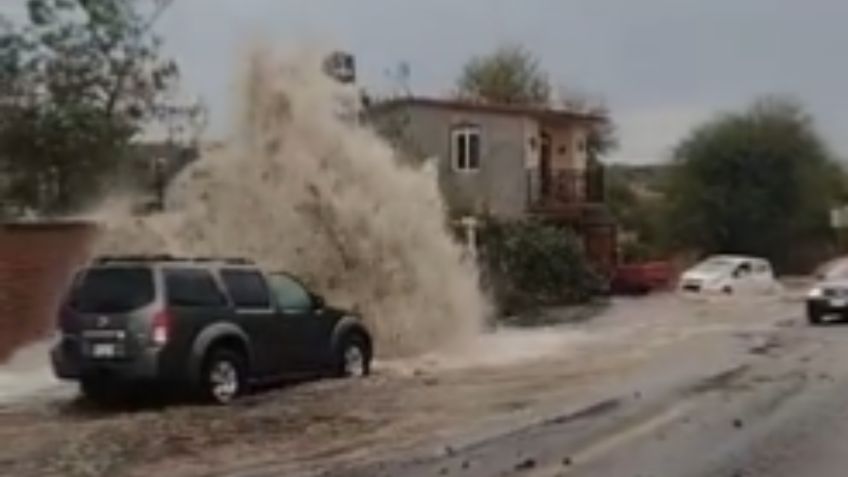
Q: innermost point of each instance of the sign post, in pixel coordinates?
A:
(839, 222)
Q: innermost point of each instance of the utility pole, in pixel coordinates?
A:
(159, 181)
(839, 222)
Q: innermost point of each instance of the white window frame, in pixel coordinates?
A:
(465, 131)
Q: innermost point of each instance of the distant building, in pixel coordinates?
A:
(508, 162)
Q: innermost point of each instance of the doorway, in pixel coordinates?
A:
(545, 173)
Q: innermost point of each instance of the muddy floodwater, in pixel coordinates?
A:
(452, 396)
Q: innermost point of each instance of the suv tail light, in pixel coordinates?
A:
(161, 327)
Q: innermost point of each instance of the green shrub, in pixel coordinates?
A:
(530, 263)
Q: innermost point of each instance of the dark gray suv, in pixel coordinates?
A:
(217, 325)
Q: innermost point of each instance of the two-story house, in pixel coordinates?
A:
(508, 162)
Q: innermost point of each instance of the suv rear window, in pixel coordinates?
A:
(192, 287)
(247, 288)
(112, 290)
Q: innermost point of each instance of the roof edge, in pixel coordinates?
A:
(494, 108)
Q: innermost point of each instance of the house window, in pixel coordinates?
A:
(465, 148)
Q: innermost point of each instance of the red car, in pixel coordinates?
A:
(642, 277)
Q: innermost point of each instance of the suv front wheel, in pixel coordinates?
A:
(353, 358)
(223, 376)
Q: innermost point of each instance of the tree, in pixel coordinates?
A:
(509, 75)
(80, 79)
(759, 182)
(635, 197)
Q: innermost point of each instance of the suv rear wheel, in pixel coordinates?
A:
(223, 376)
(353, 358)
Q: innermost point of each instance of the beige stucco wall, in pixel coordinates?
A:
(502, 186)
(568, 146)
(508, 180)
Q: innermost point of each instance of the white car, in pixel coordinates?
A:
(729, 274)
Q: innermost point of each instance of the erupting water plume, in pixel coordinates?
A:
(302, 189)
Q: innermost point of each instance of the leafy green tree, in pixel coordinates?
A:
(636, 200)
(509, 75)
(80, 79)
(602, 138)
(759, 182)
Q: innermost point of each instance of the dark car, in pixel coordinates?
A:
(829, 296)
(215, 325)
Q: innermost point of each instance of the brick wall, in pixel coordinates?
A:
(36, 263)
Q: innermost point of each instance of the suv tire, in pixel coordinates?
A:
(353, 357)
(814, 318)
(223, 376)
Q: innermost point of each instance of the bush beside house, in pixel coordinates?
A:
(529, 263)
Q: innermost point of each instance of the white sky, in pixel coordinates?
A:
(661, 65)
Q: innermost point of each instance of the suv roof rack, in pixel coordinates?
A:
(230, 260)
(171, 258)
(133, 258)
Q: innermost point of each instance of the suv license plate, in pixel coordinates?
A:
(103, 350)
(838, 302)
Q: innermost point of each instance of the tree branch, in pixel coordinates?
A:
(124, 69)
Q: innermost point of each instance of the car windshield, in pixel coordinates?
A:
(112, 290)
(715, 265)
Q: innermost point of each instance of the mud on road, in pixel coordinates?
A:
(432, 402)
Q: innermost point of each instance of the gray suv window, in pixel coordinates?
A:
(192, 287)
(290, 294)
(112, 290)
(247, 288)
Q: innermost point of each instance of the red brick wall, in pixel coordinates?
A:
(36, 263)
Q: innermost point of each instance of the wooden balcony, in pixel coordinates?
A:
(567, 193)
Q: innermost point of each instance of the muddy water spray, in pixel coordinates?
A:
(303, 190)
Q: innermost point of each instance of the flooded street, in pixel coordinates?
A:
(412, 407)
(28, 376)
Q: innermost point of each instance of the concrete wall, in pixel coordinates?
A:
(500, 186)
(36, 263)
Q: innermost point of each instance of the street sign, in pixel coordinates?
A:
(839, 217)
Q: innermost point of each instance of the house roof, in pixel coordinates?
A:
(536, 112)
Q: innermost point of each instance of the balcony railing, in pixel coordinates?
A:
(565, 192)
(565, 188)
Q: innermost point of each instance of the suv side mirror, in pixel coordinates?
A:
(318, 302)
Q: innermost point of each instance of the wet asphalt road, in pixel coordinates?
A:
(767, 398)
(656, 386)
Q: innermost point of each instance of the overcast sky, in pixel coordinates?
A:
(661, 65)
